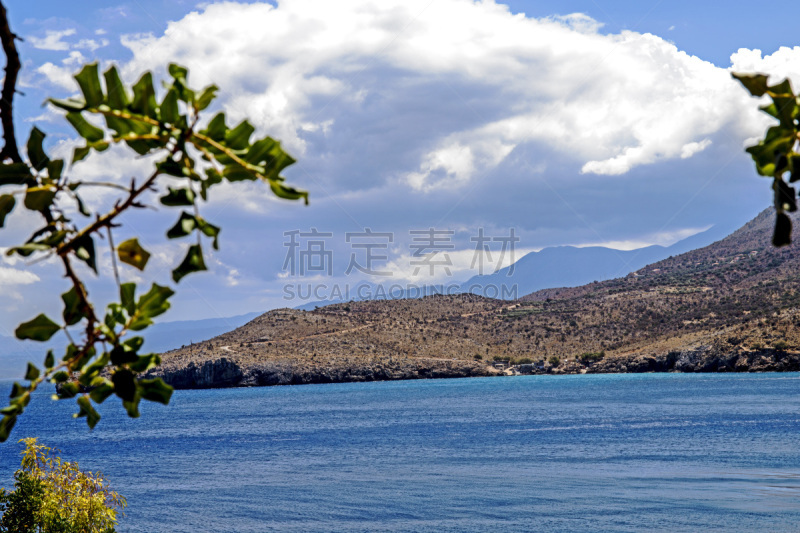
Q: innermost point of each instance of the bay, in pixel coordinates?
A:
(631, 452)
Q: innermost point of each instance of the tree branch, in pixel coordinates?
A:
(10, 150)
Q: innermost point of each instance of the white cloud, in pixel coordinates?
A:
(662, 238)
(59, 76)
(63, 76)
(91, 44)
(52, 40)
(12, 276)
(308, 68)
(783, 63)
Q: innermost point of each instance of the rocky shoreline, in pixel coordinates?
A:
(225, 373)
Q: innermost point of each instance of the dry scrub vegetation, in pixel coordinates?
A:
(737, 294)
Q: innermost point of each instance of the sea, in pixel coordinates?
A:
(594, 453)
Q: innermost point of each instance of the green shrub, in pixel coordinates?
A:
(554, 360)
(54, 496)
(591, 357)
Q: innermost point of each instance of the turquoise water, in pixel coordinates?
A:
(646, 452)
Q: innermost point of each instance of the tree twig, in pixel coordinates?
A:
(10, 150)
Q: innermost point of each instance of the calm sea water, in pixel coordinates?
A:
(647, 452)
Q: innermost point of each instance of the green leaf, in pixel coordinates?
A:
(206, 97)
(13, 409)
(39, 329)
(193, 262)
(209, 230)
(134, 343)
(178, 72)
(169, 108)
(216, 129)
(69, 389)
(289, 193)
(178, 197)
(144, 96)
(84, 250)
(131, 253)
(123, 354)
(101, 393)
(117, 95)
(85, 129)
(60, 377)
(7, 203)
(755, 83)
(132, 407)
(27, 249)
(39, 198)
(783, 231)
(127, 294)
(261, 150)
(32, 373)
(82, 207)
(236, 172)
(14, 173)
(155, 390)
(91, 370)
(70, 104)
(6, 424)
(151, 304)
(72, 307)
(89, 81)
(239, 137)
(794, 166)
(785, 196)
(183, 227)
(87, 410)
(124, 384)
(80, 153)
(54, 169)
(49, 360)
(17, 390)
(36, 155)
(145, 362)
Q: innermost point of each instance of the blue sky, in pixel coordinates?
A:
(572, 123)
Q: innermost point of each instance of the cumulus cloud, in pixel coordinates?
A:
(52, 40)
(309, 71)
(12, 276)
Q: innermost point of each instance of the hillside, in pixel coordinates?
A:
(732, 305)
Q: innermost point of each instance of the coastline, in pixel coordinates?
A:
(225, 373)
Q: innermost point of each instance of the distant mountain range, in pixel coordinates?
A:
(569, 266)
(559, 266)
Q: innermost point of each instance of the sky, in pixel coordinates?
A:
(442, 126)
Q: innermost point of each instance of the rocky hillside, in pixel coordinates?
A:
(732, 305)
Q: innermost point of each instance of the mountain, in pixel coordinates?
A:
(561, 266)
(14, 354)
(568, 266)
(732, 305)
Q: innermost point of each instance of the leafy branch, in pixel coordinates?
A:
(106, 360)
(778, 153)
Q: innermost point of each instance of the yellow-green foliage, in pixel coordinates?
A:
(63, 497)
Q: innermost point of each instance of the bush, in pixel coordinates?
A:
(554, 360)
(54, 496)
(478, 357)
(780, 345)
(591, 357)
